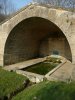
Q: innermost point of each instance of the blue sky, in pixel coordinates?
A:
(21, 3)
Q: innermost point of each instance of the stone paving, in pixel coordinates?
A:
(23, 64)
(65, 73)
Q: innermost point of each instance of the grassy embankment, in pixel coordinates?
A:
(10, 82)
(48, 91)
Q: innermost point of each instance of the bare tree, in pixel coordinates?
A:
(2, 17)
(6, 7)
(58, 3)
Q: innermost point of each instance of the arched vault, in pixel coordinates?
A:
(36, 31)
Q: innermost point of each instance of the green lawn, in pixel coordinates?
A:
(41, 68)
(9, 82)
(48, 91)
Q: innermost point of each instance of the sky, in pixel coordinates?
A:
(21, 3)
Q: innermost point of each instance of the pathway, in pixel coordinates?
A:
(65, 73)
(24, 64)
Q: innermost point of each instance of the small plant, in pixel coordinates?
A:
(54, 60)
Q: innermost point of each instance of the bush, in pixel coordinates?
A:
(54, 60)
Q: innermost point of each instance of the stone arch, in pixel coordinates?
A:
(56, 16)
(34, 32)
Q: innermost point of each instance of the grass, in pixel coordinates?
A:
(41, 68)
(9, 82)
(48, 91)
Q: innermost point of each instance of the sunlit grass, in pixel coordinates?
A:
(9, 82)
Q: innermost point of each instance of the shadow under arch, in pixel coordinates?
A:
(27, 39)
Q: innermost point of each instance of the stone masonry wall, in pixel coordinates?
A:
(57, 45)
(64, 20)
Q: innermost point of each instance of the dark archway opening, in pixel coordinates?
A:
(35, 37)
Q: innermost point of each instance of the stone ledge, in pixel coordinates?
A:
(36, 78)
(52, 71)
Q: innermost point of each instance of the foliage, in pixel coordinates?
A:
(9, 82)
(53, 59)
(48, 91)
